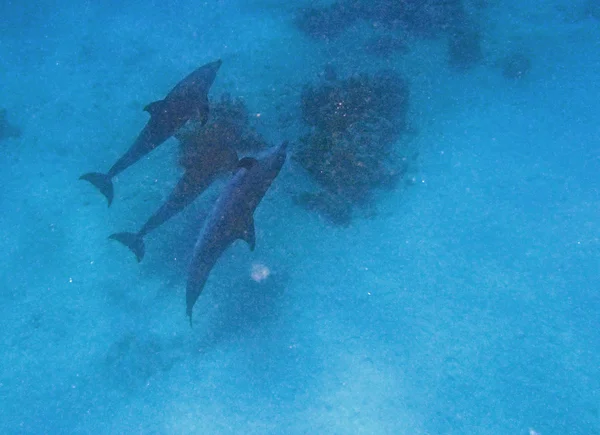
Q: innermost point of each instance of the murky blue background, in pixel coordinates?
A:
(467, 303)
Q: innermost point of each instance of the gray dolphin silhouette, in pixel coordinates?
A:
(232, 217)
(188, 99)
(215, 161)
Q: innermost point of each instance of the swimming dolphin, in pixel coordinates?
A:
(188, 99)
(213, 161)
(232, 217)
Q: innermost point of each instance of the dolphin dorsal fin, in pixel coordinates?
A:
(247, 162)
(155, 107)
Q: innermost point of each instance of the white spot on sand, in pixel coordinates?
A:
(259, 272)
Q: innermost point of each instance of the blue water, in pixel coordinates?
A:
(467, 303)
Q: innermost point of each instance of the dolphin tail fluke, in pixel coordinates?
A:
(133, 241)
(102, 182)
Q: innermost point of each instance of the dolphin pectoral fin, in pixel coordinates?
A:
(202, 112)
(133, 241)
(249, 234)
(102, 182)
(155, 107)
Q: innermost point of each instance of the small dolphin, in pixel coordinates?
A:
(188, 99)
(232, 217)
(214, 160)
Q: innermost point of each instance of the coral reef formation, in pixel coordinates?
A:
(228, 125)
(386, 45)
(424, 18)
(350, 149)
(327, 22)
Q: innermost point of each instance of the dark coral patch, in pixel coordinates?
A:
(425, 17)
(350, 150)
(385, 45)
(228, 127)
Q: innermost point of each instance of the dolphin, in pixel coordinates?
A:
(213, 161)
(232, 217)
(187, 100)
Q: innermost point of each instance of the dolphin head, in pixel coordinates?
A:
(255, 175)
(210, 71)
(272, 160)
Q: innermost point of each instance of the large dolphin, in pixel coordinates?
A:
(232, 217)
(215, 159)
(187, 100)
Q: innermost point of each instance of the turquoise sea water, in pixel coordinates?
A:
(465, 300)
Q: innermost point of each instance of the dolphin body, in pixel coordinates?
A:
(215, 161)
(232, 217)
(188, 99)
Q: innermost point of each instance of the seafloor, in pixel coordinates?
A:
(464, 301)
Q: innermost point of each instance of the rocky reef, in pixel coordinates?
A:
(327, 22)
(228, 126)
(426, 17)
(350, 150)
(421, 19)
(386, 45)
